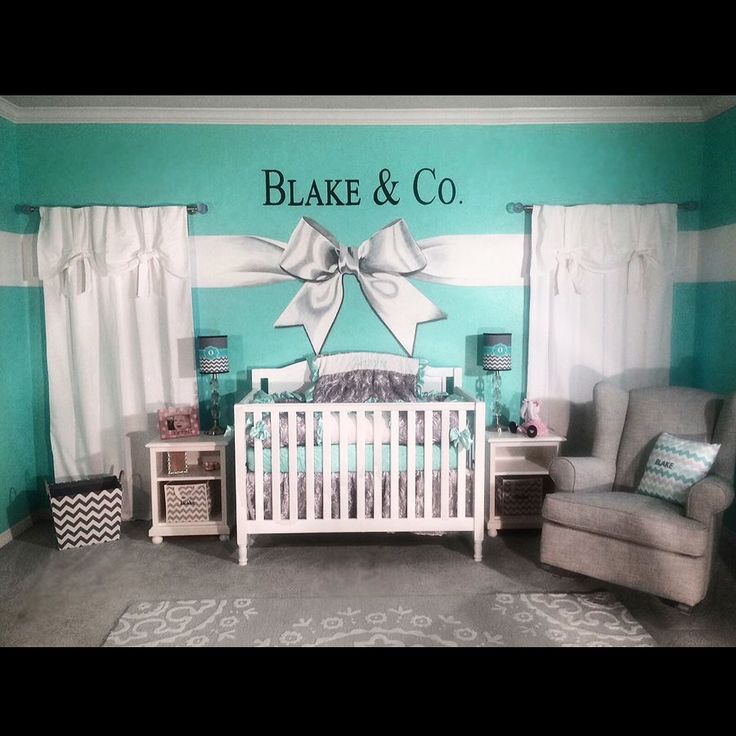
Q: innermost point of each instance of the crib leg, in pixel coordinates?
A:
(478, 551)
(243, 553)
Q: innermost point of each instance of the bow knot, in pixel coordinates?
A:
(380, 264)
(463, 437)
(144, 256)
(347, 260)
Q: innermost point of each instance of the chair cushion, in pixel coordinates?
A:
(631, 517)
(674, 465)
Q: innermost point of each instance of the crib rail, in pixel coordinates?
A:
(362, 426)
(350, 434)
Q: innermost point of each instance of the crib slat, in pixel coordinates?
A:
(309, 459)
(293, 494)
(275, 464)
(360, 463)
(411, 462)
(326, 465)
(461, 463)
(258, 468)
(377, 475)
(394, 415)
(344, 487)
(444, 466)
(428, 431)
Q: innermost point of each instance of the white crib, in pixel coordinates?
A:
(342, 471)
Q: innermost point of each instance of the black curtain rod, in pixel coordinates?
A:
(516, 207)
(192, 209)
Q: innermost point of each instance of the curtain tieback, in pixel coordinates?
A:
(146, 261)
(567, 264)
(82, 261)
(640, 263)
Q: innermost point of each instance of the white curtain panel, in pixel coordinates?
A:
(600, 304)
(119, 337)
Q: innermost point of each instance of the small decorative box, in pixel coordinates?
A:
(187, 502)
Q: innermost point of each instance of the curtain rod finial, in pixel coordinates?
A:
(514, 207)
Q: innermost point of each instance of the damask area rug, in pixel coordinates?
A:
(493, 620)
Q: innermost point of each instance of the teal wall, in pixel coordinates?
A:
(22, 388)
(492, 165)
(24, 455)
(10, 220)
(719, 170)
(222, 166)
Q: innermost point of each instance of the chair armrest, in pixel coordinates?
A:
(708, 497)
(582, 474)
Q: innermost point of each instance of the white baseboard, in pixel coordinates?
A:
(16, 530)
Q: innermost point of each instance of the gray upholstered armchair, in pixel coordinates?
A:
(595, 525)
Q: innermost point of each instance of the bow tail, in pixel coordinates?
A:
(315, 307)
(399, 305)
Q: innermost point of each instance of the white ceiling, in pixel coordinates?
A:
(362, 109)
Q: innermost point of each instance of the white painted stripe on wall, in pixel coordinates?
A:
(18, 262)
(686, 257)
(702, 256)
(717, 254)
(16, 530)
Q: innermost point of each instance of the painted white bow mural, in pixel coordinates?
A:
(380, 264)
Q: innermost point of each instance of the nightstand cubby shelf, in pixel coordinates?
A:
(199, 450)
(518, 460)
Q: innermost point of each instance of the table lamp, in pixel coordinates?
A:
(213, 359)
(496, 358)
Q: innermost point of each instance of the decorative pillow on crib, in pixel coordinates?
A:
(361, 377)
(674, 465)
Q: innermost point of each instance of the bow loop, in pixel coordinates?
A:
(316, 257)
(81, 264)
(392, 250)
(312, 253)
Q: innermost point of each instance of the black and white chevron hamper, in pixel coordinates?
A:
(87, 511)
(187, 502)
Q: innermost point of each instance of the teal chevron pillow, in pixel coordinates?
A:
(674, 465)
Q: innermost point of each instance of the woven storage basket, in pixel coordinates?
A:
(86, 512)
(520, 495)
(187, 502)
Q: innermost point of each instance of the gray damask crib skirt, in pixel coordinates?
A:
(369, 494)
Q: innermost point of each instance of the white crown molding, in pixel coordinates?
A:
(9, 111)
(718, 105)
(309, 116)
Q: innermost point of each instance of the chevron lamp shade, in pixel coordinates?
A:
(212, 354)
(86, 512)
(674, 465)
(497, 351)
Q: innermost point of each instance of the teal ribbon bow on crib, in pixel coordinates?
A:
(462, 436)
(259, 431)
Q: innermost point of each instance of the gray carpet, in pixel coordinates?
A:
(74, 598)
(500, 620)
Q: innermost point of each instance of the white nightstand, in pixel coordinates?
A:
(199, 450)
(517, 455)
